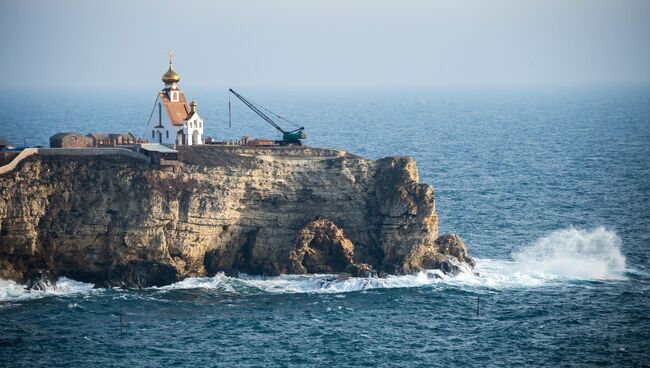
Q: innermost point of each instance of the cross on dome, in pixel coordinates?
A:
(171, 55)
(170, 78)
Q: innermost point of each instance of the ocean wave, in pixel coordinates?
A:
(567, 254)
(13, 291)
(562, 255)
(314, 283)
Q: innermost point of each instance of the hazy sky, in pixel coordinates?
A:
(89, 44)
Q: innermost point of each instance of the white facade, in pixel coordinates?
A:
(160, 128)
(193, 129)
(163, 128)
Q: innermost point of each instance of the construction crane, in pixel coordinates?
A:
(292, 137)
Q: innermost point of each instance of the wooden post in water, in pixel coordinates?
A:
(478, 306)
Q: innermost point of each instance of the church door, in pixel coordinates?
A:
(159, 137)
(195, 137)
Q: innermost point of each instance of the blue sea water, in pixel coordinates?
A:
(550, 189)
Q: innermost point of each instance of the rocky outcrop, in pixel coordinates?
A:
(447, 255)
(40, 280)
(118, 221)
(321, 248)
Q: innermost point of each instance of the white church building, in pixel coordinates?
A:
(172, 121)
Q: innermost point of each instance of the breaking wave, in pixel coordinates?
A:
(568, 254)
(322, 283)
(10, 290)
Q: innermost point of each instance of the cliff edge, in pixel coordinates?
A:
(118, 221)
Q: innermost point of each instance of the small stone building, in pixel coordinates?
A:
(70, 140)
(114, 139)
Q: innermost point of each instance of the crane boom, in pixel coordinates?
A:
(257, 111)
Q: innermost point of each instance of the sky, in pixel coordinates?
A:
(334, 43)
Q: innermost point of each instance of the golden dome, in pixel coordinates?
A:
(171, 76)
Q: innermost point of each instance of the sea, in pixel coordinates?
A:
(548, 186)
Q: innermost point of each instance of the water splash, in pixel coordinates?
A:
(568, 254)
(10, 290)
(575, 254)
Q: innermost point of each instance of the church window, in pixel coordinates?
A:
(200, 124)
(153, 134)
(167, 134)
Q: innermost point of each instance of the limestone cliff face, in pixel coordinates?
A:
(119, 221)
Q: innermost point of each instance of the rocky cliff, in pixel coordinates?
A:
(114, 220)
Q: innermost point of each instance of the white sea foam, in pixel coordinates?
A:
(289, 284)
(568, 254)
(10, 290)
(218, 282)
(329, 284)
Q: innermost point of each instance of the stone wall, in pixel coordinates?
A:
(93, 152)
(214, 155)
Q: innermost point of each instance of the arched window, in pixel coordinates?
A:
(200, 124)
(153, 134)
(167, 134)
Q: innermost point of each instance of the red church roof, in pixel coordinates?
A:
(177, 111)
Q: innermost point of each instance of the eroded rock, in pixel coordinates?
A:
(453, 245)
(447, 253)
(362, 270)
(121, 222)
(40, 280)
(321, 248)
